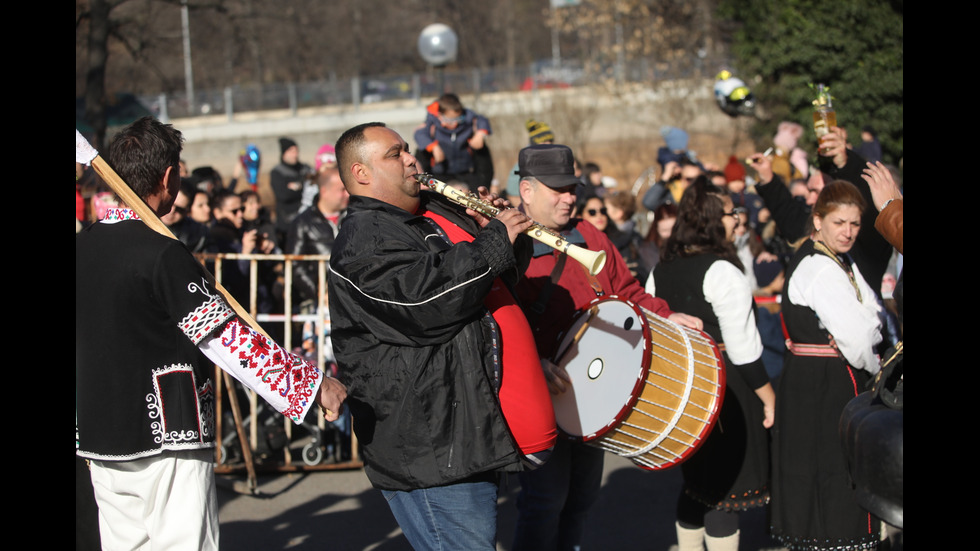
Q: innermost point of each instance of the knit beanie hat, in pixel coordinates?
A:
(766, 272)
(325, 156)
(675, 137)
(734, 170)
(285, 143)
(539, 132)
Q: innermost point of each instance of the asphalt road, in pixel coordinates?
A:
(338, 510)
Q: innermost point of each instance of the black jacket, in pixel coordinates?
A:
(288, 200)
(193, 234)
(310, 233)
(226, 238)
(414, 342)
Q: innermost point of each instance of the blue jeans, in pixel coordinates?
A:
(459, 516)
(555, 498)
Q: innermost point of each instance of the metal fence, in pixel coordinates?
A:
(358, 91)
(314, 440)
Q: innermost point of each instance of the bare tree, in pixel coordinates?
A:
(603, 33)
(93, 30)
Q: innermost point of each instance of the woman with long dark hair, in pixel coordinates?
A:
(831, 318)
(700, 272)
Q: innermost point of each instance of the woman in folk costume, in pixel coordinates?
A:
(700, 273)
(831, 320)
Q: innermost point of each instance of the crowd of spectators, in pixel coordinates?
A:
(773, 200)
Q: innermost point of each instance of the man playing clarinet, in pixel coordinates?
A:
(433, 347)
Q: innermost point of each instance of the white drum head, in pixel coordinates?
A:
(606, 366)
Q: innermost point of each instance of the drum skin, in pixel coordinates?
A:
(642, 387)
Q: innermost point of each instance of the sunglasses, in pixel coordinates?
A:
(734, 214)
(593, 212)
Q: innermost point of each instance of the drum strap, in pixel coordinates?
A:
(596, 286)
(593, 281)
(544, 296)
(817, 350)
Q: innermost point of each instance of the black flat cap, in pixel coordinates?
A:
(552, 164)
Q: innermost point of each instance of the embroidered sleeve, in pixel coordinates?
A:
(288, 382)
(184, 291)
(206, 317)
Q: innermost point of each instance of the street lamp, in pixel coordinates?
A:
(437, 46)
(188, 71)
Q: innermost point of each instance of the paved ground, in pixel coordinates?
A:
(339, 510)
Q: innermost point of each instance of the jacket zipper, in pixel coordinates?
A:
(452, 444)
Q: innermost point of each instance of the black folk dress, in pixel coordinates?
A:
(813, 503)
(730, 471)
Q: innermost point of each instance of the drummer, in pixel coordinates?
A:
(555, 498)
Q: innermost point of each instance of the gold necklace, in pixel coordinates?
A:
(821, 247)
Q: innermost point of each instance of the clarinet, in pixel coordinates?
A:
(592, 260)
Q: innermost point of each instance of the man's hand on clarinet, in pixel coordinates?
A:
(330, 397)
(491, 199)
(515, 220)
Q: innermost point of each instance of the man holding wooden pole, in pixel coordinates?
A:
(149, 323)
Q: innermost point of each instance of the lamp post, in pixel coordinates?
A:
(188, 71)
(438, 46)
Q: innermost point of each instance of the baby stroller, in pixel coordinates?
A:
(332, 443)
(272, 439)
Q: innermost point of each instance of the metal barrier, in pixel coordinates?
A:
(357, 91)
(317, 314)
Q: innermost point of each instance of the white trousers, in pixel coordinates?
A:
(167, 501)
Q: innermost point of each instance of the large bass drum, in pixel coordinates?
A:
(642, 386)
